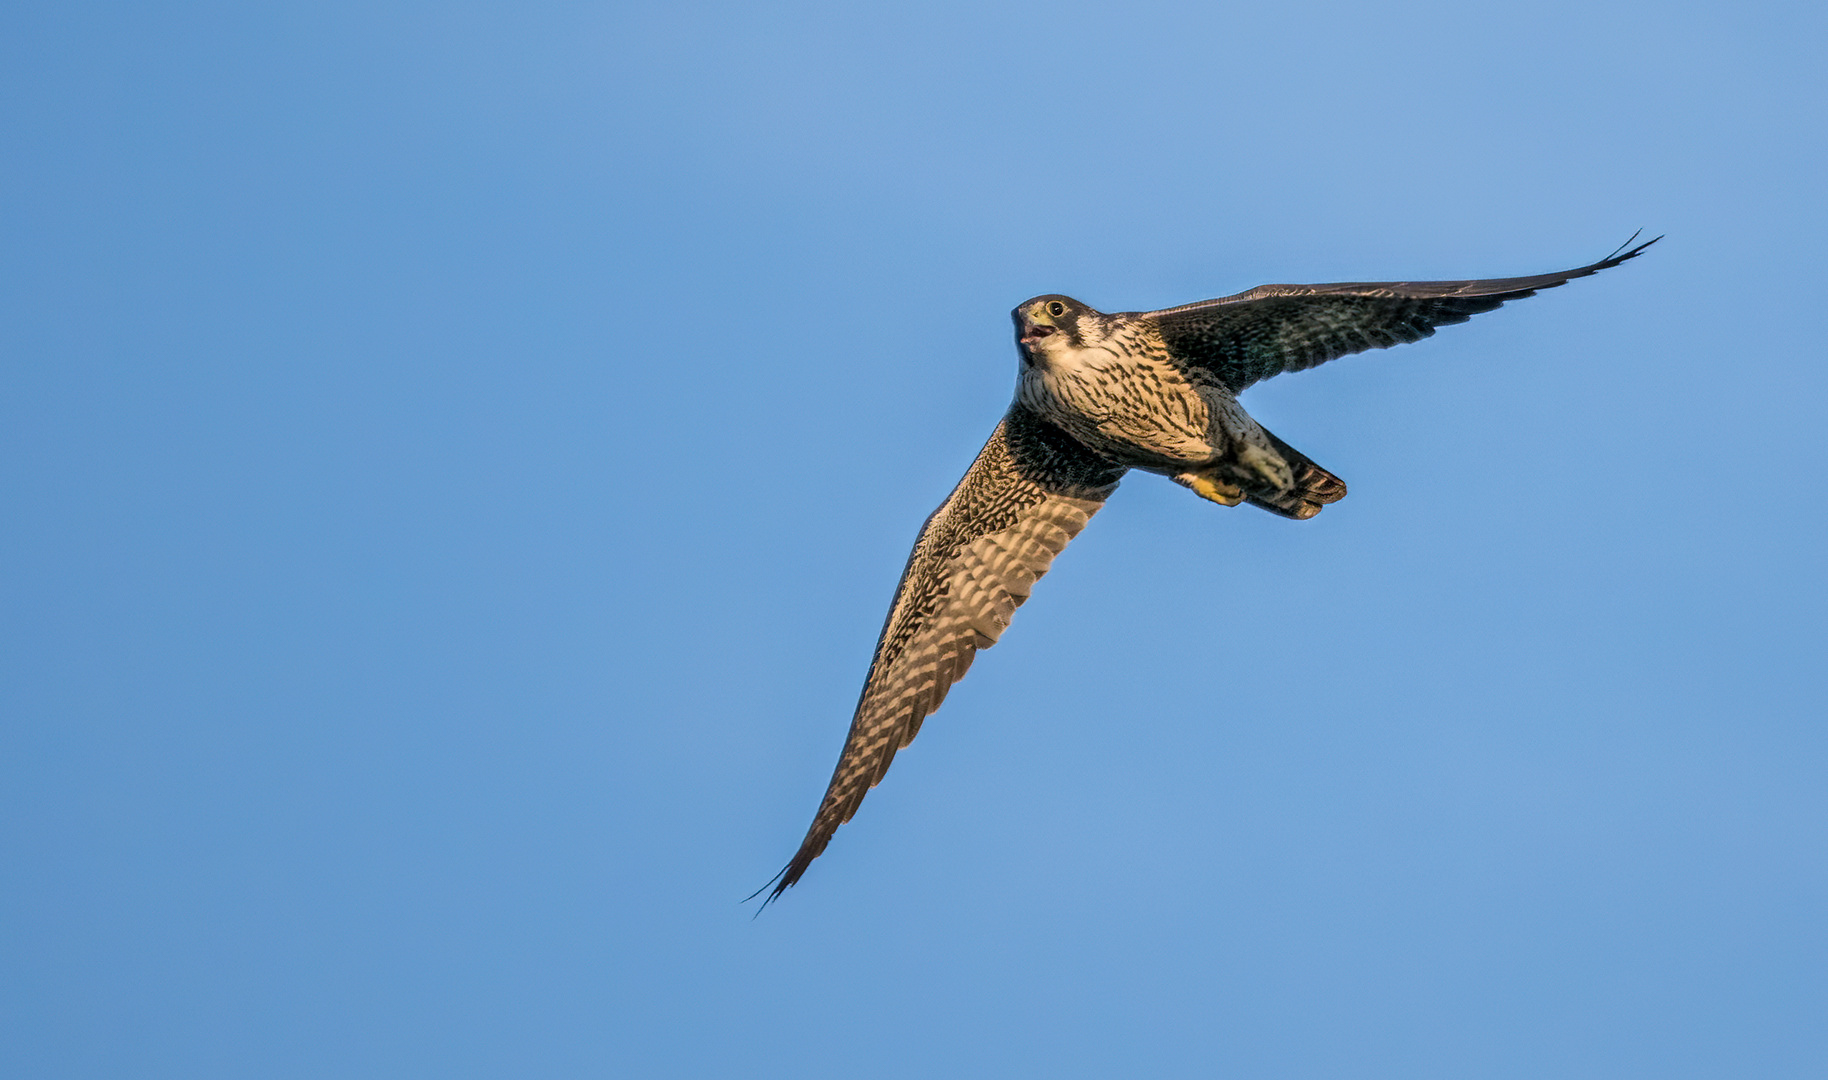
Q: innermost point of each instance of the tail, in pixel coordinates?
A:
(1314, 487)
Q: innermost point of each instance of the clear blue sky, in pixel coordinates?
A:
(457, 457)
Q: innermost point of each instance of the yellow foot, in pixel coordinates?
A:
(1217, 490)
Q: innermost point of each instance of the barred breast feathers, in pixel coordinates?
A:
(1120, 393)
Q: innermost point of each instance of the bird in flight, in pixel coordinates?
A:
(1096, 396)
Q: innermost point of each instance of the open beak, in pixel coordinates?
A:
(1033, 329)
(1034, 332)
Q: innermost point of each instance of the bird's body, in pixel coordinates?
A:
(1112, 383)
(1097, 395)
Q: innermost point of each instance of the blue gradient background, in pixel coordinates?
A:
(457, 457)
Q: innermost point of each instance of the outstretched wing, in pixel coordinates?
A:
(1031, 489)
(1276, 328)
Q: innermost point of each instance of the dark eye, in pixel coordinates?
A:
(1056, 308)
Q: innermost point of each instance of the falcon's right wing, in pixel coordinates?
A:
(1031, 489)
(1271, 329)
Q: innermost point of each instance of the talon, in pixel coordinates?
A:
(1269, 467)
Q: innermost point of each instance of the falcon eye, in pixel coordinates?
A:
(1056, 308)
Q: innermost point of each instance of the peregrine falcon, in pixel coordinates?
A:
(1098, 395)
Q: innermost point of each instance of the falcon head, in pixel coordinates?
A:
(1046, 324)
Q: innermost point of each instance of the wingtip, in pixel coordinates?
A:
(779, 886)
(764, 889)
(1627, 251)
(779, 883)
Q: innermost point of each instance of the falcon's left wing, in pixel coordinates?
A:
(1276, 328)
(1031, 489)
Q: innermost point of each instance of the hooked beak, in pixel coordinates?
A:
(1035, 326)
(1033, 332)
